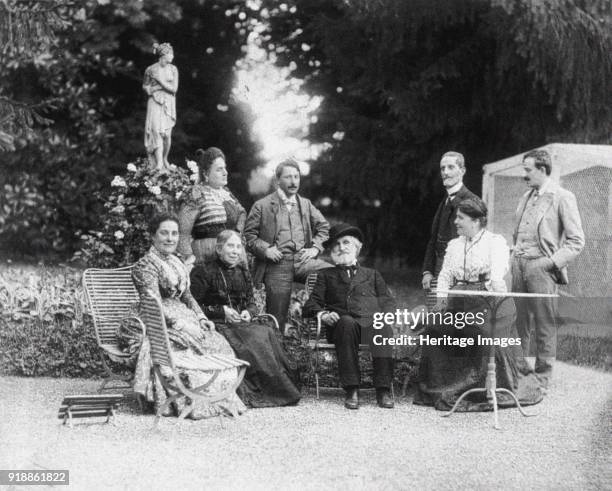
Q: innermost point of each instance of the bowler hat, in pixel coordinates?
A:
(340, 230)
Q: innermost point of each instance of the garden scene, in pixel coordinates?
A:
(364, 99)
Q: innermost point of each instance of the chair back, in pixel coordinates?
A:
(152, 315)
(110, 294)
(311, 280)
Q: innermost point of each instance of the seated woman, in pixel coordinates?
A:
(476, 260)
(208, 209)
(191, 333)
(224, 290)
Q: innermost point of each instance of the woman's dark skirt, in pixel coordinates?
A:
(271, 380)
(446, 372)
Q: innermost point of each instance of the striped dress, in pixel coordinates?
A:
(205, 212)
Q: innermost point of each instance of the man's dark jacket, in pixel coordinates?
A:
(443, 230)
(360, 296)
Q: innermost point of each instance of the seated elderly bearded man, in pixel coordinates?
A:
(348, 295)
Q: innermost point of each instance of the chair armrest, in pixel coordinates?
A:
(319, 324)
(139, 320)
(135, 317)
(271, 317)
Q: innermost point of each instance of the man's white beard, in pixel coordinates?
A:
(343, 259)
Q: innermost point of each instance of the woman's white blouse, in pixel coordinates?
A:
(465, 260)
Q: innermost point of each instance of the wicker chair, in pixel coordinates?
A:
(161, 355)
(111, 294)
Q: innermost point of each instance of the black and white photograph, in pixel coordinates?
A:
(306, 244)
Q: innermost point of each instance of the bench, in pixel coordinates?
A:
(89, 406)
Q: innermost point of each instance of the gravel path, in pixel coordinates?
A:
(319, 444)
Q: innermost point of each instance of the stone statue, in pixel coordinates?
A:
(160, 83)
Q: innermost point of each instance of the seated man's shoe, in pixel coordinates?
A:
(352, 398)
(383, 398)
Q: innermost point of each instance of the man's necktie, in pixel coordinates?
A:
(350, 270)
(449, 198)
(288, 204)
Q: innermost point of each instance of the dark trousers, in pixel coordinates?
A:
(528, 277)
(278, 280)
(346, 335)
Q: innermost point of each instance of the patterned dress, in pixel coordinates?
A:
(166, 276)
(447, 371)
(205, 212)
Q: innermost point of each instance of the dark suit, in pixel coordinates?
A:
(443, 230)
(355, 299)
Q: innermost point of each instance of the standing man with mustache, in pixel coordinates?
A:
(548, 235)
(285, 232)
(443, 229)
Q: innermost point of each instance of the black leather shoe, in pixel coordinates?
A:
(352, 398)
(383, 398)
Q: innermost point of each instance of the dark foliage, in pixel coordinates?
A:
(85, 75)
(403, 82)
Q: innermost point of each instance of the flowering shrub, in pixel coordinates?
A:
(122, 237)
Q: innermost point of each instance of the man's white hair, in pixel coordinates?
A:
(356, 242)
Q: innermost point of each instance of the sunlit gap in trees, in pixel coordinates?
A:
(282, 111)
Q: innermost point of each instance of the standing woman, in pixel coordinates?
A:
(160, 83)
(208, 209)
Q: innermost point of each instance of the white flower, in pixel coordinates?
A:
(193, 177)
(131, 168)
(119, 235)
(118, 182)
(156, 190)
(178, 195)
(118, 209)
(192, 166)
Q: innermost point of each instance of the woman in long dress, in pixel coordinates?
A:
(224, 289)
(208, 209)
(191, 333)
(476, 260)
(161, 84)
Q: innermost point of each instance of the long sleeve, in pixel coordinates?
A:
(316, 301)
(202, 292)
(451, 260)
(251, 233)
(188, 299)
(320, 228)
(429, 262)
(242, 215)
(499, 257)
(187, 217)
(251, 305)
(572, 229)
(386, 301)
(146, 277)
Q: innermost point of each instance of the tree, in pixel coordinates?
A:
(406, 81)
(84, 73)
